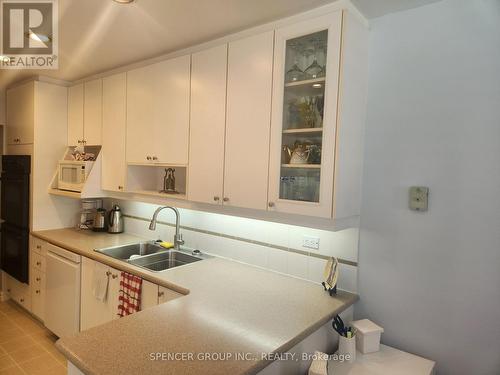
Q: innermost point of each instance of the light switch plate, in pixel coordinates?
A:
(310, 242)
(419, 198)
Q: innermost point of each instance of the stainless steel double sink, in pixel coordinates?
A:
(152, 256)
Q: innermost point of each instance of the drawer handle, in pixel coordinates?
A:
(216, 199)
(148, 157)
(225, 199)
(8, 290)
(39, 247)
(37, 291)
(155, 158)
(38, 263)
(21, 300)
(114, 276)
(120, 187)
(37, 279)
(108, 274)
(161, 294)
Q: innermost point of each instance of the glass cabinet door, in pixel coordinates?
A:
(306, 92)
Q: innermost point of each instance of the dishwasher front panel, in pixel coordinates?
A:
(62, 297)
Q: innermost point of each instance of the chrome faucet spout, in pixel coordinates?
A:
(178, 241)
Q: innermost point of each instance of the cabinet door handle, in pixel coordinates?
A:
(225, 199)
(155, 158)
(8, 290)
(161, 294)
(37, 292)
(21, 300)
(148, 157)
(120, 187)
(37, 279)
(271, 204)
(108, 274)
(114, 276)
(39, 247)
(38, 263)
(216, 198)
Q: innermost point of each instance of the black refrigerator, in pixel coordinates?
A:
(15, 209)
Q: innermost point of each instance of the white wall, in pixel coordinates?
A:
(432, 280)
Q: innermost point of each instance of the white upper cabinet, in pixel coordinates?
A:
(158, 112)
(208, 123)
(303, 133)
(249, 83)
(85, 113)
(92, 112)
(75, 115)
(20, 114)
(114, 112)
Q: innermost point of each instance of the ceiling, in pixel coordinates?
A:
(378, 8)
(98, 35)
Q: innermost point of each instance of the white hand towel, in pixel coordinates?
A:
(100, 281)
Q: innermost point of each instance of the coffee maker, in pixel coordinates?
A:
(88, 213)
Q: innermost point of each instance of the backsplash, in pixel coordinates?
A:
(264, 244)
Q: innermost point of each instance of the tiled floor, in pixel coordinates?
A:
(26, 347)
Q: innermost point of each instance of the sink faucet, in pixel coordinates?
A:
(178, 241)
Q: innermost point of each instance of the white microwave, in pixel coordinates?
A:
(72, 174)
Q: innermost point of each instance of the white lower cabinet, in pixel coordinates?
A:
(18, 291)
(38, 293)
(94, 312)
(165, 295)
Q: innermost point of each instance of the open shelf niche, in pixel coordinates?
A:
(149, 179)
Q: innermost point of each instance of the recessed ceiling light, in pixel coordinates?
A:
(123, 1)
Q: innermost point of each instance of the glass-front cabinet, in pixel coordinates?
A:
(307, 58)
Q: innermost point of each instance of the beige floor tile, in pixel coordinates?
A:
(44, 336)
(8, 307)
(27, 353)
(5, 361)
(13, 370)
(57, 354)
(10, 333)
(29, 325)
(41, 365)
(17, 343)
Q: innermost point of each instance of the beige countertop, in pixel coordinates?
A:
(228, 307)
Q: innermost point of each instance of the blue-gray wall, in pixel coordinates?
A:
(432, 280)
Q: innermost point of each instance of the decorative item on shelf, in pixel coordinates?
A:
(298, 155)
(301, 153)
(331, 275)
(285, 154)
(314, 153)
(169, 182)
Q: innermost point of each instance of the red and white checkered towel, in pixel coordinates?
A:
(129, 297)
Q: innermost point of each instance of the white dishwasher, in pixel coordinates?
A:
(62, 296)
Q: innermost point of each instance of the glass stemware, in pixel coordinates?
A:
(294, 73)
(315, 70)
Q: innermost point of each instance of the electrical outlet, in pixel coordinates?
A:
(310, 242)
(419, 196)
